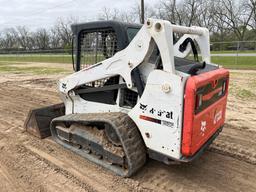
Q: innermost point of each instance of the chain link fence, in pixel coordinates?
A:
(235, 55)
(234, 46)
(36, 56)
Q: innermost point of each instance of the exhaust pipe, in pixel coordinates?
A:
(38, 120)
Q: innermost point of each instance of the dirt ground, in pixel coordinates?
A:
(30, 164)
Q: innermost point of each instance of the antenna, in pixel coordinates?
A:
(142, 12)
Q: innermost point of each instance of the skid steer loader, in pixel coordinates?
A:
(137, 93)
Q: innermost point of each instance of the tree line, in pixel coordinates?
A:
(227, 20)
(22, 38)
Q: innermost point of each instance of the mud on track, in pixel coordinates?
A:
(30, 164)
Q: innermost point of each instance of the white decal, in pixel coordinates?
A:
(217, 117)
(203, 127)
(167, 123)
(156, 112)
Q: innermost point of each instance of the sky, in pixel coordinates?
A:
(44, 13)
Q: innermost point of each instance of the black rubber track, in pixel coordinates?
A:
(126, 129)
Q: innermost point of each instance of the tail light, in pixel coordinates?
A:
(199, 101)
(224, 87)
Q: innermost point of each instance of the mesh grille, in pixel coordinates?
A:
(128, 98)
(103, 82)
(97, 46)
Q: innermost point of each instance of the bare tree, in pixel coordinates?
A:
(236, 16)
(9, 39)
(60, 36)
(205, 14)
(63, 32)
(127, 17)
(54, 39)
(252, 5)
(149, 12)
(224, 18)
(172, 11)
(109, 14)
(183, 12)
(41, 39)
(116, 15)
(191, 8)
(24, 37)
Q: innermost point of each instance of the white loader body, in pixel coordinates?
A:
(158, 113)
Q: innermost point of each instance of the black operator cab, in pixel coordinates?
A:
(100, 40)
(95, 42)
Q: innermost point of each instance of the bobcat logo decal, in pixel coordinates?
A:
(143, 107)
(203, 127)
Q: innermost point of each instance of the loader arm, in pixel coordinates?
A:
(125, 61)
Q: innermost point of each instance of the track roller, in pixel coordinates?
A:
(111, 140)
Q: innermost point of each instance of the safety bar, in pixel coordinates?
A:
(189, 30)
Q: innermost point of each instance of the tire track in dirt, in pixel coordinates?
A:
(239, 143)
(65, 167)
(42, 165)
(7, 183)
(64, 162)
(211, 172)
(32, 174)
(16, 116)
(89, 173)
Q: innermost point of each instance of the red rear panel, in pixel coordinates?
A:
(204, 108)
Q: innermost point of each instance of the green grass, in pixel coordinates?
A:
(48, 58)
(240, 51)
(228, 62)
(10, 63)
(236, 62)
(245, 94)
(241, 92)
